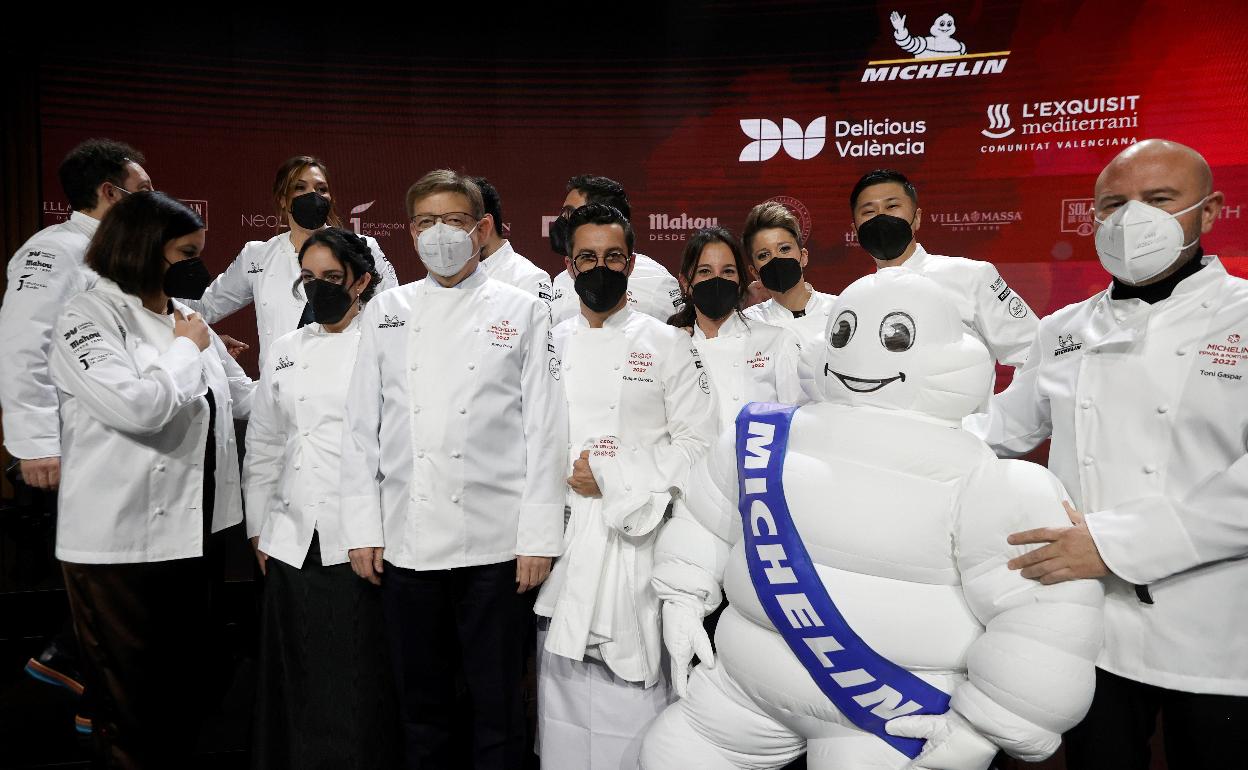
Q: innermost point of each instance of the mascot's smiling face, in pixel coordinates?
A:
(895, 341)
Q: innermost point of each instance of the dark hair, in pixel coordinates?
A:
(352, 253)
(882, 176)
(598, 214)
(288, 175)
(686, 316)
(768, 215)
(90, 165)
(129, 246)
(493, 203)
(600, 189)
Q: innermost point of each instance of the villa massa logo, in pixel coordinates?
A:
(939, 54)
(799, 143)
(977, 220)
(799, 210)
(1066, 124)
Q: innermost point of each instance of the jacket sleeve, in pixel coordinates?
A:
(91, 363)
(1019, 418)
(32, 302)
(692, 550)
(638, 481)
(268, 430)
(1007, 335)
(545, 418)
(228, 293)
(1030, 675)
(389, 277)
(361, 443)
(242, 387)
(1150, 538)
(787, 362)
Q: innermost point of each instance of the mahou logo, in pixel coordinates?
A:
(769, 138)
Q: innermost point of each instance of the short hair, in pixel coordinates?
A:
(491, 201)
(882, 176)
(90, 165)
(288, 175)
(765, 216)
(600, 189)
(598, 214)
(694, 247)
(350, 250)
(129, 246)
(445, 180)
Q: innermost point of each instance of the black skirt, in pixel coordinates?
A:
(325, 696)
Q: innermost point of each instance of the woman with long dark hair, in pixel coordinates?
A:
(148, 397)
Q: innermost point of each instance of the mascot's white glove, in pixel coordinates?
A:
(952, 743)
(683, 635)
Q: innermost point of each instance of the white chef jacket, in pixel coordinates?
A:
(990, 309)
(135, 421)
(264, 272)
(44, 274)
(637, 383)
(511, 267)
(455, 406)
(651, 290)
(811, 330)
(294, 444)
(1147, 406)
(749, 361)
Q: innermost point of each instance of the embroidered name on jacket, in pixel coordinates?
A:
(391, 322)
(283, 363)
(1066, 344)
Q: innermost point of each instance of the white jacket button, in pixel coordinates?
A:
(1180, 352)
(415, 410)
(612, 406)
(471, 367)
(158, 511)
(1206, 303)
(736, 397)
(1162, 409)
(160, 466)
(420, 453)
(454, 498)
(285, 502)
(414, 366)
(297, 466)
(1087, 461)
(456, 455)
(1086, 403)
(617, 367)
(463, 410)
(303, 398)
(1150, 468)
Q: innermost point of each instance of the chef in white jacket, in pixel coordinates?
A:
(641, 413)
(148, 399)
(1140, 388)
(500, 260)
(453, 477)
(44, 274)
(885, 208)
(652, 290)
(264, 271)
(747, 360)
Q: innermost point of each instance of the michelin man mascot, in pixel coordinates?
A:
(861, 541)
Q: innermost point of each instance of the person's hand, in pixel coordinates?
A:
(367, 563)
(232, 346)
(952, 742)
(193, 328)
(755, 293)
(899, 23)
(531, 572)
(582, 479)
(42, 473)
(1070, 553)
(261, 556)
(684, 636)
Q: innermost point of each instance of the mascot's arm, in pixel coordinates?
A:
(1031, 674)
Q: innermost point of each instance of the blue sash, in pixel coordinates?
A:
(868, 688)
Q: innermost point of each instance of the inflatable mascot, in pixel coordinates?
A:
(861, 542)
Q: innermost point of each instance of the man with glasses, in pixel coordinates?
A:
(452, 477)
(640, 413)
(1142, 388)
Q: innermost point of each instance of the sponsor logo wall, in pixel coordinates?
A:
(1001, 113)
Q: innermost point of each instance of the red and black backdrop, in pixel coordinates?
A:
(701, 112)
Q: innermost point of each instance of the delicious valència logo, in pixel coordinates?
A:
(800, 143)
(939, 54)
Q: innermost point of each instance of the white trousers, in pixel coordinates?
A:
(588, 718)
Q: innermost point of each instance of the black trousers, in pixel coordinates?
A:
(1201, 732)
(468, 621)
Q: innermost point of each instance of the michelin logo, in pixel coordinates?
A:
(940, 44)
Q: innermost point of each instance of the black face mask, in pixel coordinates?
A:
(187, 279)
(330, 301)
(885, 237)
(310, 210)
(601, 288)
(780, 274)
(559, 236)
(715, 297)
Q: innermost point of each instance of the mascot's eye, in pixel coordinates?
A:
(843, 329)
(897, 332)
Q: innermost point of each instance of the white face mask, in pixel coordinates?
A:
(1139, 241)
(445, 249)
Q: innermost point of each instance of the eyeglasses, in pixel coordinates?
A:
(457, 219)
(616, 260)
